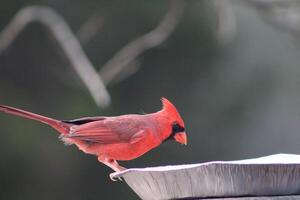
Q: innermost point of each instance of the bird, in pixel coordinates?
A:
(116, 138)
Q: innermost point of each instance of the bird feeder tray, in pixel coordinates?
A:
(270, 177)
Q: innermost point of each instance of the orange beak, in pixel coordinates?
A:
(181, 138)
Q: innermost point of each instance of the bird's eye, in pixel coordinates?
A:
(177, 128)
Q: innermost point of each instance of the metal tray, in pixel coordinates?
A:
(266, 176)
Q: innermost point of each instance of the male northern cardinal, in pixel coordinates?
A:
(124, 137)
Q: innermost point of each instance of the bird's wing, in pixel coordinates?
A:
(108, 131)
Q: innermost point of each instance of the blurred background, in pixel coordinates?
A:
(231, 67)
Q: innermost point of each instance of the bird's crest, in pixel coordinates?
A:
(167, 105)
(171, 110)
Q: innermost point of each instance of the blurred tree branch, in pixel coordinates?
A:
(66, 39)
(284, 14)
(89, 28)
(129, 53)
(114, 68)
(226, 27)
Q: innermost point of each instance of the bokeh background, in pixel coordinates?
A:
(231, 67)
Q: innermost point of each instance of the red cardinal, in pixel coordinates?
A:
(124, 137)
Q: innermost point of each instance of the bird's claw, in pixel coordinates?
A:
(113, 178)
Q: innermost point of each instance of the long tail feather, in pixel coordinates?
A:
(56, 124)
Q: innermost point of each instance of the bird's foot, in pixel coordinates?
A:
(113, 178)
(114, 165)
(117, 170)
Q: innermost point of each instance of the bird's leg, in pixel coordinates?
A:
(113, 164)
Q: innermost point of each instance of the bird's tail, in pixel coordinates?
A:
(60, 126)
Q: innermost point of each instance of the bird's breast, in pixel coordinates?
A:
(119, 151)
(129, 151)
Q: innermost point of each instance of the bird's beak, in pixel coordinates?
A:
(181, 138)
